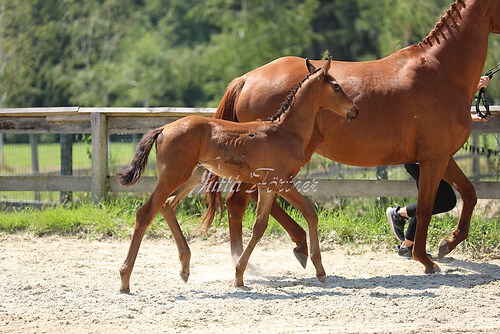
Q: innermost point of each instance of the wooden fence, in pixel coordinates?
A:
(102, 122)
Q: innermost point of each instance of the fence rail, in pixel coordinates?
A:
(101, 122)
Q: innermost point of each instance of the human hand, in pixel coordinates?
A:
(477, 118)
(483, 82)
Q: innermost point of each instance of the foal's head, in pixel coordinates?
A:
(330, 95)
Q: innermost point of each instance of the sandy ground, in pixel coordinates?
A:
(62, 285)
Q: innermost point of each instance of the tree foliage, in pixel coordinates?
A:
(185, 52)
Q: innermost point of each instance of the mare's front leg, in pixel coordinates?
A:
(431, 173)
(454, 176)
(309, 212)
(264, 203)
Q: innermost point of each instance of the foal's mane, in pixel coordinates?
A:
(443, 22)
(285, 105)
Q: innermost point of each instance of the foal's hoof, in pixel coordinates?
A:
(184, 277)
(125, 290)
(443, 249)
(301, 257)
(433, 270)
(321, 278)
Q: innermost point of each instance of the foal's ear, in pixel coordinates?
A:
(310, 67)
(326, 67)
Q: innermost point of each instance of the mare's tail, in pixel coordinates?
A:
(225, 110)
(133, 172)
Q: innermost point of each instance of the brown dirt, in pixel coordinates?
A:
(63, 285)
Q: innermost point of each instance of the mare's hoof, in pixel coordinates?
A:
(238, 284)
(184, 277)
(321, 278)
(443, 249)
(433, 270)
(301, 257)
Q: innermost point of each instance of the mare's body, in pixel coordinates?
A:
(416, 108)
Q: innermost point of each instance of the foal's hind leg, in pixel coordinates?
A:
(182, 246)
(168, 212)
(167, 184)
(454, 176)
(264, 204)
(309, 212)
(144, 216)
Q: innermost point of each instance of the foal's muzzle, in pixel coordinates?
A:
(352, 114)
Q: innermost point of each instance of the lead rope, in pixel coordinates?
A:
(481, 96)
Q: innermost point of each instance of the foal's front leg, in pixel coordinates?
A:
(308, 210)
(264, 203)
(237, 203)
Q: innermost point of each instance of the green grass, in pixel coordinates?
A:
(17, 157)
(351, 222)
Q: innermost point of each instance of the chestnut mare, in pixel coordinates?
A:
(253, 152)
(416, 108)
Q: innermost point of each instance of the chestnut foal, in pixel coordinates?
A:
(252, 152)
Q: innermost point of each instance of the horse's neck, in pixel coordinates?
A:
(461, 52)
(300, 117)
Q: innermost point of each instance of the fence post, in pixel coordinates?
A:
(66, 142)
(99, 125)
(1, 149)
(35, 164)
(475, 157)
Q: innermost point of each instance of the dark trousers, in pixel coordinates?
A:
(445, 201)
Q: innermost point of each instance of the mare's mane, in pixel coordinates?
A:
(285, 105)
(443, 22)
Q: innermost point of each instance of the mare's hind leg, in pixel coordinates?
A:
(144, 216)
(264, 203)
(454, 176)
(237, 203)
(309, 212)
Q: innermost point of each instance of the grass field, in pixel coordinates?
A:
(17, 157)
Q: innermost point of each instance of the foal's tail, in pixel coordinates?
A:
(133, 172)
(225, 110)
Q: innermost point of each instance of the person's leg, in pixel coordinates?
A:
(445, 201)
(397, 217)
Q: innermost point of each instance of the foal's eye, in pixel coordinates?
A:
(336, 86)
